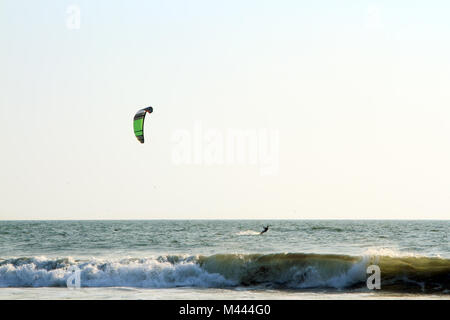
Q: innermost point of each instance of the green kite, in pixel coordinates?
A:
(138, 123)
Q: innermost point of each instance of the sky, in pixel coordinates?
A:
(262, 109)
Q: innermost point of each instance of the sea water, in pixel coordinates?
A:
(224, 259)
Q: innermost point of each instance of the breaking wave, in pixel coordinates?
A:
(293, 271)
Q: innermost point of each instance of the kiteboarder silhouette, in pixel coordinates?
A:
(265, 229)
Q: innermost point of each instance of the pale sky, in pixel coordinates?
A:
(355, 93)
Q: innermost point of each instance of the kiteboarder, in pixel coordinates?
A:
(265, 229)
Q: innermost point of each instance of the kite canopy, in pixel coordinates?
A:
(138, 123)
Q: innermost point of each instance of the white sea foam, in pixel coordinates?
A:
(247, 233)
(389, 252)
(148, 273)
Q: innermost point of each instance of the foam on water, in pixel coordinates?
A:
(282, 271)
(247, 233)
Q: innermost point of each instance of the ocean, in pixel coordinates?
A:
(224, 259)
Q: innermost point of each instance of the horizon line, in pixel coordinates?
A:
(230, 219)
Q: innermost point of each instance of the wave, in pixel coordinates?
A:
(293, 271)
